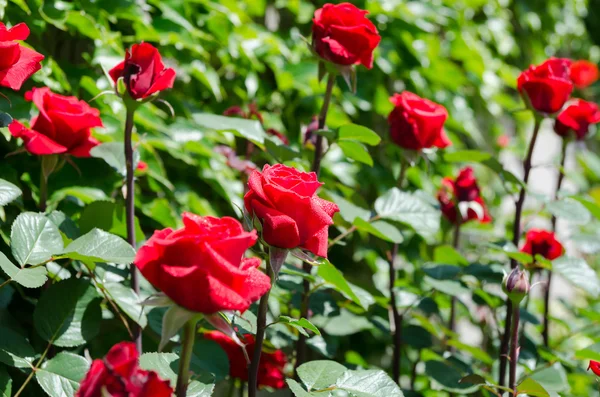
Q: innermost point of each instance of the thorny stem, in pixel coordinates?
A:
(516, 235)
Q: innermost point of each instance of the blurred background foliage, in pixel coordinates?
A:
(464, 54)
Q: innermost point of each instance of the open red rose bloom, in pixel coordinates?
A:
(17, 62)
(293, 216)
(343, 35)
(542, 242)
(454, 193)
(270, 371)
(61, 127)
(577, 118)
(118, 374)
(417, 123)
(202, 266)
(547, 86)
(143, 71)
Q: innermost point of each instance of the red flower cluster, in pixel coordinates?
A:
(292, 215)
(463, 189)
(584, 73)
(417, 123)
(118, 375)
(201, 266)
(17, 62)
(547, 86)
(62, 126)
(143, 71)
(542, 242)
(270, 371)
(344, 36)
(577, 118)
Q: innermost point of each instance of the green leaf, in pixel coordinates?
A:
(173, 320)
(571, 210)
(100, 246)
(409, 209)
(107, 216)
(371, 383)
(593, 208)
(27, 277)
(8, 192)
(448, 377)
(355, 132)
(356, 151)
(473, 379)
(467, 156)
(5, 383)
(450, 287)
(380, 229)
(449, 255)
(15, 350)
(128, 301)
(532, 388)
(209, 356)
(320, 374)
(34, 239)
(591, 352)
(114, 155)
(68, 313)
(552, 379)
(579, 273)
(296, 389)
(336, 279)
(249, 129)
(166, 364)
(348, 210)
(60, 376)
(299, 324)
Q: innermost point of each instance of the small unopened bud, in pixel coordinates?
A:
(516, 285)
(121, 86)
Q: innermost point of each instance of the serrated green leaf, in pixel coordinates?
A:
(15, 350)
(320, 374)
(577, 272)
(448, 376)
(355, 132)
(296, 389)
(34, 239)
(100, 246)
(571, 210)
(370, 383)
(128, 301)
(114, 155)
(8, 192)
(249, 129)
(60, 376)
(532, 388)
(380, 229)
(356, 151)
(27, 277)
(300, 324)
(335, 278)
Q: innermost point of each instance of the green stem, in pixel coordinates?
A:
(183, 377)
(43, 191)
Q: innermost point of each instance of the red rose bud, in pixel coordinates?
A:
(270, 371)
(542, 242)
(62, 125)
(292, 215)
(516, 285)
(343, 35)
(417, 123)
(143, 72)
(202, 267)
(17, 63)
(584, 73)
(461, 198)
(547, 86)
(595, 367)
(577, 117)
(118, 374)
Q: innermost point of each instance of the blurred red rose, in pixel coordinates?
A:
(542, 242)
(201, 266)
(584, 73)
(143, 71)
(463, 191)
(547, 86)
(62, 125)
(270, 370)
(417, 123)
(292, 215)
(503, 141)
(343, 35)
(118, 374)
(142, 166)
(577, 117)
(17, 63)
(595, 367)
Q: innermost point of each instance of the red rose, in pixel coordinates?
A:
(542, 242)
(584, 73)
(17, 63)
(143, 71)
(595, 367)
(118, 375)
(62, 126)
(343, 35)
(462, 190)
(547, 86)
(292, 215)
(201, 266)
(577, 117)
(417, 123)
(270, 370)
